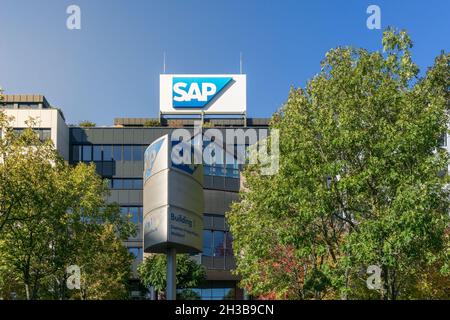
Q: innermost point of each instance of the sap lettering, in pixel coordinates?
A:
(196, 92)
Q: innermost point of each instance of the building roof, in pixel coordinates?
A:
(26, 98)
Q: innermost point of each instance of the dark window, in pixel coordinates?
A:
(127, 153)
(228, 244)
(108, 169)
(137, 153)
(76, 153)
(117, 152)
(207, 243)
(87, 153)
(107, 153)
(97, 153)
(218, 240)
(443, 140)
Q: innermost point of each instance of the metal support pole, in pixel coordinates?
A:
(152, 293)
(171, 290)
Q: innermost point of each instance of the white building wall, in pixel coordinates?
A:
(44, 118)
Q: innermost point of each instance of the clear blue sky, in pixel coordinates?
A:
(110, 68)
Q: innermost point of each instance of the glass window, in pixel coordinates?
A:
(134, 214)
(87, 153)
(137, 153)
(218, 243)
(117, 152)
(137, 184)
(45, 134)
(206, 294)
(108, 169)
(218, 293)
(76, 153)
(228, 244)
(117, 184)
(207, 243)
(127, 184)
(107, 153)
(127, 153)
(443, 140)
(97, 153)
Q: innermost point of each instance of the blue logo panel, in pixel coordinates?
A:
(196, 92)
(150, 157)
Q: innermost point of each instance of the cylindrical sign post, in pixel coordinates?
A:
(171, 274)
(173, 204)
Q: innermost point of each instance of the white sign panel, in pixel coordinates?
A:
(222, 93)
(173, 201)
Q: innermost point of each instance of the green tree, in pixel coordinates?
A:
(152, 123)
(54, 215)
(87, 124)
(362, 181)
(153, 272)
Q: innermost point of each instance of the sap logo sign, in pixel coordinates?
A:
(150, 157)
(196, 92)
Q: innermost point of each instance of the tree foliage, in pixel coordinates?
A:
(153, 272)
(362, 181)
(53, 215)
(87, 124)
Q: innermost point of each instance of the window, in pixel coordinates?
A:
(127, 153)
(443, 140)
(45, 134)
(117, 184)
(218, 241)
(217, 293)
(127, 184)
(207, 243)
(97, 153)
(222, 170)
(210, 293)
(87, 153)
(107, 153)
(28, 106)
(138, 184)
(134, 214)
(76, 153)
(228, 244)
(117, 152)
(42, 134)
(137, 153)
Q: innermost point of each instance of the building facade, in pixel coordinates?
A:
(118, 153)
